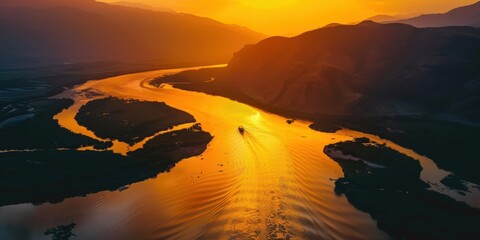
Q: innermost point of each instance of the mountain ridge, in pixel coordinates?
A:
(89, 31)
(388, 69)
(462, 16)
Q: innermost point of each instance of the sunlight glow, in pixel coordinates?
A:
(256, 118)
(292, 17)
(268, 4)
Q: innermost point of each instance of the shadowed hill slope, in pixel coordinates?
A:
(462, 16)
(366, 69)
(45, 32)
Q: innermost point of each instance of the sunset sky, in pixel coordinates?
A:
(287, 17)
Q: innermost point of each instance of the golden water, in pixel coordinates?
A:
(273, 182)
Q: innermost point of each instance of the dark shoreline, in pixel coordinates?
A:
(50, 175)
(129, 120)
(198, 81)
(426, 135)
(418, 213)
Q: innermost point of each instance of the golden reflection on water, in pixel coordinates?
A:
(272, 182)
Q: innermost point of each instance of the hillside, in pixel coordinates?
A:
(367, 69)
(45, 32)
(462, 16)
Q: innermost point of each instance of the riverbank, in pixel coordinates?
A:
(44, 162)
(264, 182)
(129, 120)
(394, 195)
(48, 165)
(452, 145)
(210, 81)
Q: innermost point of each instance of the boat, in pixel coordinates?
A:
(241, 129)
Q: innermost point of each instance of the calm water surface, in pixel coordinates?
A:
(272, 182)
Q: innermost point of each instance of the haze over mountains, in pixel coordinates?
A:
(142, 6)
(365, 69)
(462, 16)
(45, 32)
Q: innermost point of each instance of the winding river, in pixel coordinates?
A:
(273, 182)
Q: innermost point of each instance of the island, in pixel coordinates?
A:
(50, 171)
(387, 185)
(129, 121)
(164, 150)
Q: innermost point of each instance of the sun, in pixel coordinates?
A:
(267, 4)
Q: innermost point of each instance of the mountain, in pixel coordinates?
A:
(332, 25)
(389, 18)
(462, 16)
(142, 6)
(46, 3)
(366, 69)
(383, 18)
(45, 32)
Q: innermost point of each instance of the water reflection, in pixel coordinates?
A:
(273, 181)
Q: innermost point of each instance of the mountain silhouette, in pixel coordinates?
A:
(44, 32)
(365, 69)
(462, 16)
(142, 6)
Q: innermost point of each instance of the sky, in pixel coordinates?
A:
(290, 17)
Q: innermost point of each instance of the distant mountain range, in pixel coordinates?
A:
(142, 6)
(388, 18)
(45, 32)
(462, 16)
(365, 69)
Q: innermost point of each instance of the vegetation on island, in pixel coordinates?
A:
(387, 185)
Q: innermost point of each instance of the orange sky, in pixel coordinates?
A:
(288, 17)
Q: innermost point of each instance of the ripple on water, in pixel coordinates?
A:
(271, 182)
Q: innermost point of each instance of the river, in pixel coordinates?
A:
(272, 182)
